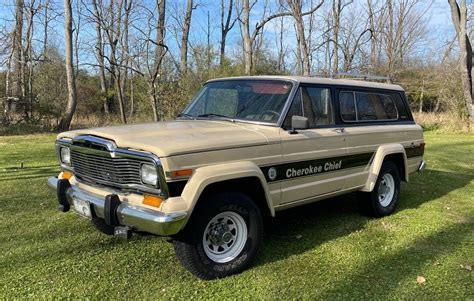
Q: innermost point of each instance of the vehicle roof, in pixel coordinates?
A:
(318, 80)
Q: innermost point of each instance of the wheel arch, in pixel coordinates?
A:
(245, 177)
(393, 152)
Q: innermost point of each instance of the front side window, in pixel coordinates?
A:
(362, 106)
(253, 100)
(313, 103)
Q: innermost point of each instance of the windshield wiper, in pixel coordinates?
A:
(216, 115)
(185, 116)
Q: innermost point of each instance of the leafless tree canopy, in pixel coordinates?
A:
(98, 61)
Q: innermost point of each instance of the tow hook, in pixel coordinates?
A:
(123, 232)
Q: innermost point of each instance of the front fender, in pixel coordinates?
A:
(380, 154)
(204, 176)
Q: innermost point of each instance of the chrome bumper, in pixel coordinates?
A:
(137, 218)
(422, 166)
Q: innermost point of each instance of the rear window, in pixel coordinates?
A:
(363, 106)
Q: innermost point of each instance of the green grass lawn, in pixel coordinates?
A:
(323, 250)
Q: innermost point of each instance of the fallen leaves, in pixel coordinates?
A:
(466, 267)
(421, 280)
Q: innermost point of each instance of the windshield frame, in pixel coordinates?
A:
(281, 118)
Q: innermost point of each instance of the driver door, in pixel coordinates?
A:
(314, 156)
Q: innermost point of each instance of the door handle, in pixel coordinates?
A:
(339, 130)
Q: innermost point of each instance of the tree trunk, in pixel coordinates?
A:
(459, 18)
(154, 101)
(296, 7)
(99, 52)
(45, 30)
(336, 10)
(65, 122)
(125, 51)
(154, 74)
(246, 37)
(14, 81)
(226, 26)
(28, 62)
(185, 37)
(422, 94)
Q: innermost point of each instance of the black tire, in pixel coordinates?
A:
(370, 203)
(189, 245)
(100, 225)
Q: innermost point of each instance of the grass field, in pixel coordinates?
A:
(324, 250)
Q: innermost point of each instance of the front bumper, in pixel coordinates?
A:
(137, 218)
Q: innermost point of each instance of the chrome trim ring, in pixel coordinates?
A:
(224, 237)
(386, 190)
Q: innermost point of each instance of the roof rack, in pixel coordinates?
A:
(367, 77)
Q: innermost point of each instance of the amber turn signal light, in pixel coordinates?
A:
(152, 200)
(181, 173)
(67, 175)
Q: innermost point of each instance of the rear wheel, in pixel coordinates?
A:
(382, 200)
(222, 236)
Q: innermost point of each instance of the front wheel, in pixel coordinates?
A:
(382, 200)
(222, 236)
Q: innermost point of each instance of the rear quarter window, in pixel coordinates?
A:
(367, 106)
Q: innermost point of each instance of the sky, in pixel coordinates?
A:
(438, 18)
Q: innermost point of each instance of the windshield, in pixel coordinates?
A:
(253, 100)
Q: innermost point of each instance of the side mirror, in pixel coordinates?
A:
(299, 123)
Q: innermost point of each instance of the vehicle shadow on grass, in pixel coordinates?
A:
(297, 230)
(26, 173)
(384, 276)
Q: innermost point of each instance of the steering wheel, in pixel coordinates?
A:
(271, 112)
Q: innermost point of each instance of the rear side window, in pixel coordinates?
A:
(347, 105)
(362, 106)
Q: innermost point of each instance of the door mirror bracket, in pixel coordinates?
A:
(298, 123)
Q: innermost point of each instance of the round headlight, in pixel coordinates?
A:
(149, 174)
(65, 154)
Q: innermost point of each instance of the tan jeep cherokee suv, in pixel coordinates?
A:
(243, 148)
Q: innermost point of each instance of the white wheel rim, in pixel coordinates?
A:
(386, 190)
(224, 237)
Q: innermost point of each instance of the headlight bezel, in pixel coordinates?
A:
(152, 174)
(65, 157)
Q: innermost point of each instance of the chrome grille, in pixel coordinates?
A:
(106, 170)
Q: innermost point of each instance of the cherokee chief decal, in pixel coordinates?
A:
(291, 170)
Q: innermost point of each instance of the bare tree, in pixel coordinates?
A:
(282, 49)
(46, 21)
(337, 9)
(15, 65)
(185, 37)
(99, 53)
(153, 59)
(354, 34)
(27, 61)
(296, 7)
(227, 23)
(459, 17)
(66, 119)
(250, 38)
(112, 27)
(404, 29)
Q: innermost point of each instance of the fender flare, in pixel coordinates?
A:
(204, 176)
(377, 161)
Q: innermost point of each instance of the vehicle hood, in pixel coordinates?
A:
(180, 136)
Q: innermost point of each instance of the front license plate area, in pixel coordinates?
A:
(83, 208)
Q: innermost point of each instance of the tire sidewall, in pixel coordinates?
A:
(392, 169)
(235, 202)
